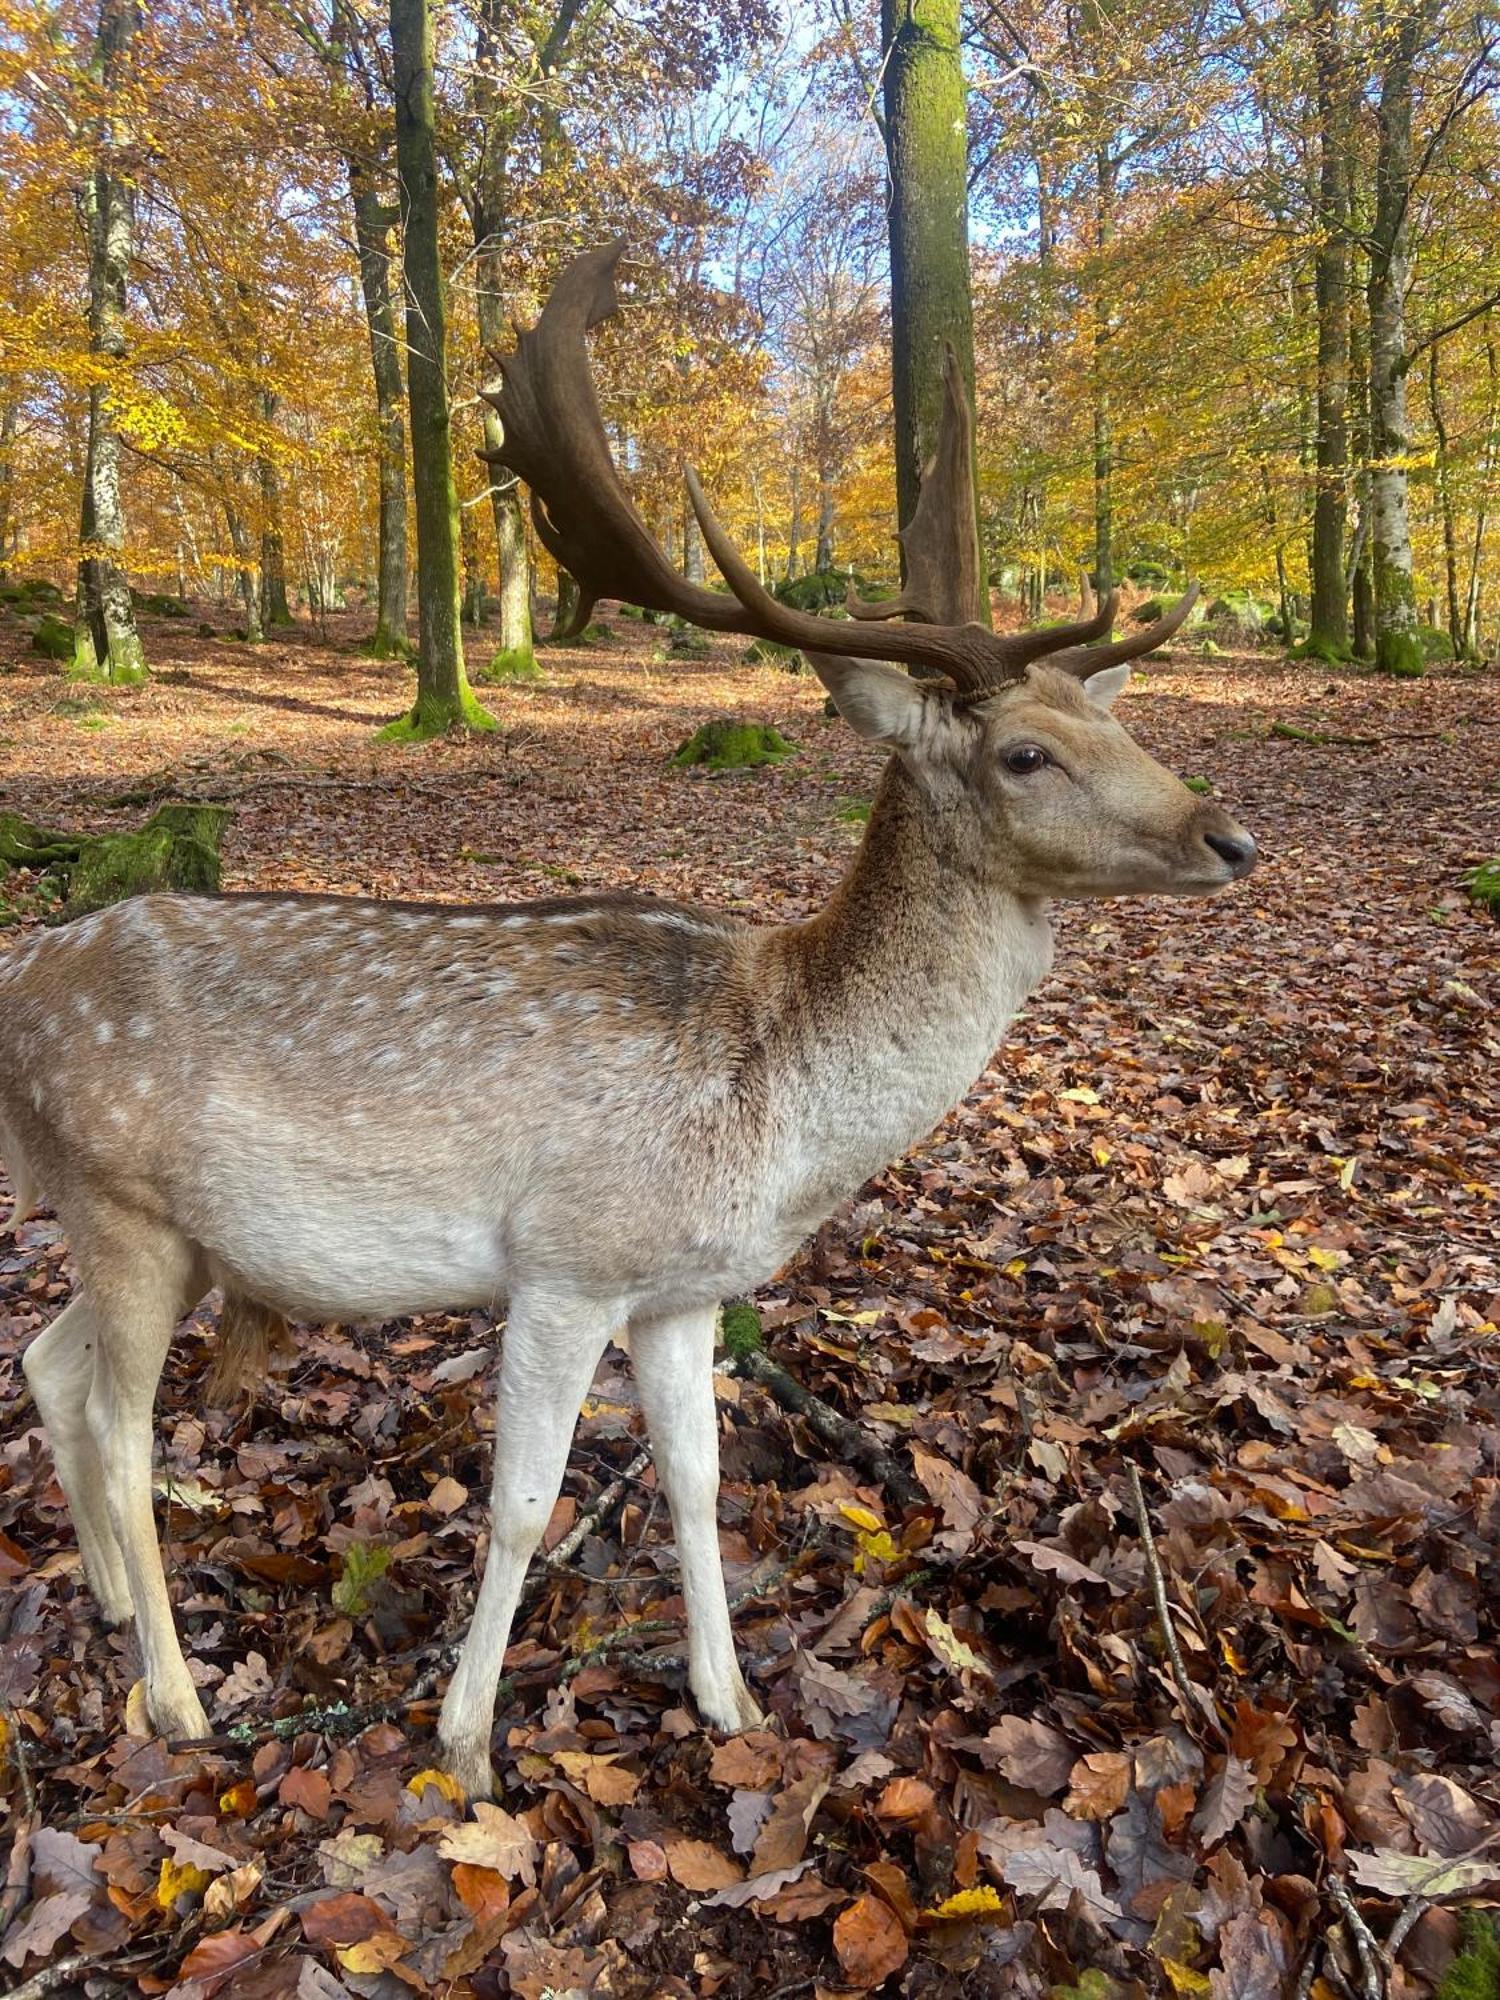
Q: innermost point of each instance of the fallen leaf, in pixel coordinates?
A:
(870, 1941)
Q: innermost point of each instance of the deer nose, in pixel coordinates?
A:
(1237, 848)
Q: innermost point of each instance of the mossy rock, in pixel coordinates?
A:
(1155, 575)
(207, 631)
(177, 848)
(1237, 618)
(1435, 644)
(726, 745)
(1149, 612)
(824, 591)
(158, 603)
(1483, 884)
(53, 638)
(740, 1331)
(1202, 786)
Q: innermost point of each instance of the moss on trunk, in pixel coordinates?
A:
(177, 848)
(725, 745)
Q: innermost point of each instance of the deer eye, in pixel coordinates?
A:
(1026, 758)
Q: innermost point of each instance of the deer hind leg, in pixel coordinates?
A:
(139, 1278)
(59, 1369)
(551, 1350)
(673, 1360)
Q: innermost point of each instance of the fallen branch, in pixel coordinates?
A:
(53, 1978)
(748, 1359)
(18, 1870)
(1194, 1698)
(1320, 739)
(1371, 1957)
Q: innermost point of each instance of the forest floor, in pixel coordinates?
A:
(1221, 1219)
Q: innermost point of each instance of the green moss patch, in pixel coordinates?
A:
(177, 848)
(726, 745)
(1483, 884)
(53, 638)
(512, 663)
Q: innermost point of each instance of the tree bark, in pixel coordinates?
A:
(926, 141)
(107, 644)
(246, 585)
(1444, 496)
(372, 240)
(1397, 649)
(1104, 440)
(274, 608)
(7, 485)
(443, 694)
(1328, 636)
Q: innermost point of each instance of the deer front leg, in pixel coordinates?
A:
(59, 1369)
(551, 1350)
(673, 1358)
(137, 1278)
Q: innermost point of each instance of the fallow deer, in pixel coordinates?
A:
(600, 1114)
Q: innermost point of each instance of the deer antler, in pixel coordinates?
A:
(554, 438)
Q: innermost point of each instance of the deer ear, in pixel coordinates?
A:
(879, 701)
(1103, 687)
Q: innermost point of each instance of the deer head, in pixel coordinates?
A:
(1034, 784)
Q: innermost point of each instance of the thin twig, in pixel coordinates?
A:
(1408, 1917)
(1371, 1957)
(589, 1520)
(1194, 1699)
(20, 1756)
(52, 1978)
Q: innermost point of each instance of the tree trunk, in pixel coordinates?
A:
(473, 584)
(567, 603)
(794, 528)
(443, 694)
(1444, 497)
(107, 645)
(1104, 439)
(1328, 637)
(1481, 512)
(274, 609)
(1397, 649)
(246, 585)
(371, 236)
(926, 140)
(692, 545)
(7, 485)
(515, 656)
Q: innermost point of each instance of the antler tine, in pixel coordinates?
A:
(1081, 661)
(554, 438)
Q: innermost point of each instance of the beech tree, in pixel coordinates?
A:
(107, 644)
(444, 697)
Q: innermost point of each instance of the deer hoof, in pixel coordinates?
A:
(177, 1716)
(470, 1764)
(729, 1709)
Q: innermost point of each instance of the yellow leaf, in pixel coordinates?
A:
(179, 1878)
(372, 1954)
(1081, 1095)
(1016, 1268)
(950, 1649)
(1326, 1260)
(982, 1902)
(226, 1892)
(444, 1781)
(1101, 1153)
(137, 1716)
(1184, 1979)
(860, 1517)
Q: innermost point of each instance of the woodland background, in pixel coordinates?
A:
(1124, 1603)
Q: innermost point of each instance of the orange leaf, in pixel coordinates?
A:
(870, 1941)
(699, 1865)
(483, 1893)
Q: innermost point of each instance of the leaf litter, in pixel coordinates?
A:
(1222, 1210)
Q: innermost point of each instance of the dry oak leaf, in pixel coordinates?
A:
(304, 1787)
(493, 1839)
(447, 1496)
(648, 1861)
(45, 1923)
(870, 1941)
(249, 1681)
(345, 1917)
(1230, 1795)
(699, 1865)
(1444, 1817)
(782, 1841)
(1068, 1568)
(1098, 1785)
(953, 1490)
(1255, 1959)
(213, 1959)
(1393, 1874)
(905, 1800)
(226, 1893)
(748, 1763)
(346, 1857)
(1056, 1875)
(953, 1651)
(1029, 1753)
(606, 1783)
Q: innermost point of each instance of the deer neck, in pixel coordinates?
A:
(905, 982)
